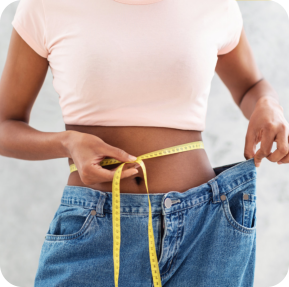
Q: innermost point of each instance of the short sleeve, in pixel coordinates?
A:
(233, 25)
(29, 22)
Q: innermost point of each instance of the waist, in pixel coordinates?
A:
(176, 172)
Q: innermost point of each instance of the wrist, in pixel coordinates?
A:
(66, 140)
(270, 101)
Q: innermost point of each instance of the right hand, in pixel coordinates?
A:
(87, 151)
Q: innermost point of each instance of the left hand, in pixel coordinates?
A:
(267, 124)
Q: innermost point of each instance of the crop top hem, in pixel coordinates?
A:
(180, 126)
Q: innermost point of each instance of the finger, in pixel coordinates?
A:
(127, 166)
(250, 144)
(285, 159)
(268, 136)
(128, 172)
(100, 174)
(117, 153)
(282, 146)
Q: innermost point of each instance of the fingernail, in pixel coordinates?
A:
(135, 172)
(280, 162)
(257, 164)
(137, 166)
(132, 158)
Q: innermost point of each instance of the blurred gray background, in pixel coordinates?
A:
(31, 190)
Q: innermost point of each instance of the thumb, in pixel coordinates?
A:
(250, 145)
(117, 153)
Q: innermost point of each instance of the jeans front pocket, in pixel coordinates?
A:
(240, 208)
(69, 222)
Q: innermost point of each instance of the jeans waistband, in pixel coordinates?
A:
(227, 178)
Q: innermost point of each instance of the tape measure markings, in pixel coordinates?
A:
(116, 206)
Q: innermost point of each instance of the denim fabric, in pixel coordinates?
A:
(209, 236)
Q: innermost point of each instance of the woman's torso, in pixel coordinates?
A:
(177, 172)
(137, 76)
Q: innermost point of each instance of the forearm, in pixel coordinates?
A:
(261, 91)
(19, 140)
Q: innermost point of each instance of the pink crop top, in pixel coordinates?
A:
(131, 62)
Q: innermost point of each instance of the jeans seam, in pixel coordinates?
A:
(240, 185)
(170, 262)
(128, 213)
(185, 208)
(237, 227)
(211, 197)
(244, 210)
(77, 205)
(78, 234)
(175, 253)
(160, 241)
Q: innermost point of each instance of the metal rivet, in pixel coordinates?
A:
(246, 196)
(223, 197)
(168, 202)
(93, 212)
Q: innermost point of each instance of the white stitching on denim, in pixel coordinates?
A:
(237, 227)
(174, 257)
(175, 201)
(239, 185)
(86, 224)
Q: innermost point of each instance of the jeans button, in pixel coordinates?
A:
(223, 197)
(168, 202)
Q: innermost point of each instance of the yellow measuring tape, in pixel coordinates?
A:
(116, 205)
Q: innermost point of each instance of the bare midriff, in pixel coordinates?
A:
(176, 172)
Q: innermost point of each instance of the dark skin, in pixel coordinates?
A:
(86, 146)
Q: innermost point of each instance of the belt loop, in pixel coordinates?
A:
(100, 204)
(215, 190)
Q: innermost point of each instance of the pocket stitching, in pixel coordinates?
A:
(231, 220)
(86, 224)
(246, 208)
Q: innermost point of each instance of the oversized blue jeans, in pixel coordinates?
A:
(204, 237)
